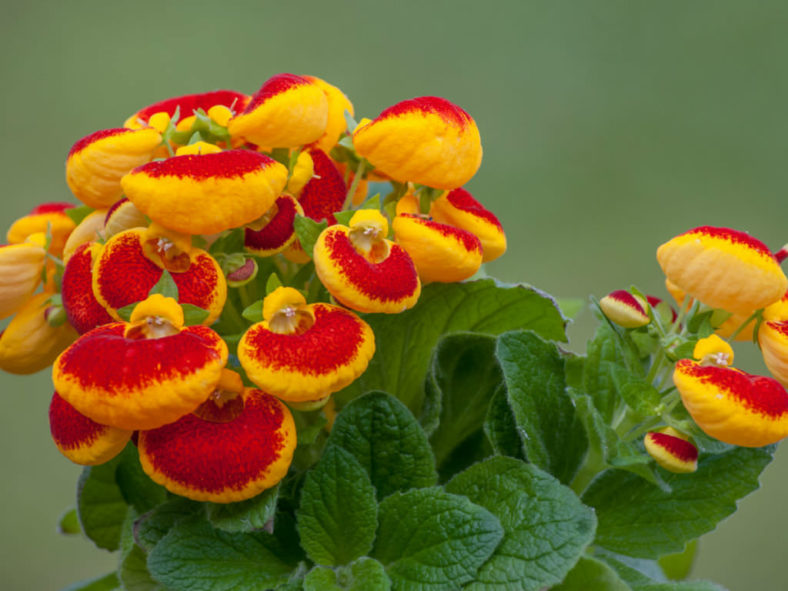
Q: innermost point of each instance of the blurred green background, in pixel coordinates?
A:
(607, 126)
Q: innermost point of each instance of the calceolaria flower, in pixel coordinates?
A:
(672, 450)
(625, 309)
(729, 404)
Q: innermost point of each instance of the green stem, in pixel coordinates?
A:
(354, 185)
(744, 324)
(593, 465)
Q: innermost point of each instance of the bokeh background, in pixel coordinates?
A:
(607, 126)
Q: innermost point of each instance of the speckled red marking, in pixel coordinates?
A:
(468, 240)
(276, 232)
(273, 86)
(113, 208)
(464, 201)
(127, 275)
(71, 429)
(54, 206)
(779, 327)
(82, 309)
(758, 394)
(430, 104)
(103, 359)
(391, 280)
(626, 298)
(189, 103)
(333, 341)
(676, 446)
(324, 194)
(734, 236)
(212, 457)
(229, 164)
(94, 137)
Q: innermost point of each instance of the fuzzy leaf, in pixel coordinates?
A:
(500, 428)
(430, 540)
(244, 516)
(133, 572)
(405, 341)
(365, 574)
(638, 519)
(590, 573)
(154, 525)
(195, 557)
(337, 517)
(194, 315)
(165, 286)
(307, 231)
(553, 436)
(108, 582)
(546, 527)
(100, 505)
(387, 441)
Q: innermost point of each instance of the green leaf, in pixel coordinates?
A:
(254, 312)
(571, 307)
(108, 582)
(645, 575)
(137, 488)
(590, 573)
(77, 214)
(154, 525)
(500, 428)
(244, 516)
(344, 217)
(553, 437)
(371, 203)
(365, 574)
(194, 315)
(429, 539)
(272, 283)
(405, 341)
(165, 286)
(125, 311)
(195, 557)
(638, 519)
(307, 231)
(101, 507)
(133, 572)
(385, 438)
(350, 122)
(465, 374)
(68, 524)
(229, 242)
(337, 517)
(546, 527)
(678, 566)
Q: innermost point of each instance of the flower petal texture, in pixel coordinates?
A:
(773, 339)
(731, 405)
(440, 252)
(459, 208)
(29, 343)
(90, 229)
(320, 353)
(207, 193)
(278, 232)
(288, 111)
(123, 275)
(672, 451)
(723, 268)
(123, 215)
(187, 104)
(324, 194)
(20, 272)
(222, 462)
(426, 140)
(139, 383)
(50, 216)
(83, 310)
(386, 282)
(97, 162)
(336, 124)
(624, 309)
(82, 440)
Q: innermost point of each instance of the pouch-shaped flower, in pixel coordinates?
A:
(458, 208)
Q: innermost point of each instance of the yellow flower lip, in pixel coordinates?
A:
(140, 383)
(82, 440)
(29, 343)
(458, 208)
(155, 317)
(440, 252)
(288, 111)
(47, 215)
(125, 271)
(426, 140)
(625, 309)
(207, 193)
(713, 350)
(304, 352)
(199, 459)
(672, 450)
(20, 272)
(364, 271)
(731, 405)
(97, 162)
(723, 268)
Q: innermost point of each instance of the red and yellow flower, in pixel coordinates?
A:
(672, 450)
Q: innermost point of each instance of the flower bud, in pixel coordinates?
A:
(625, 309)
(672, 450)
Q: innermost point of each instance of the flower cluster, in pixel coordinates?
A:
(727, 285)
(213, 282)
